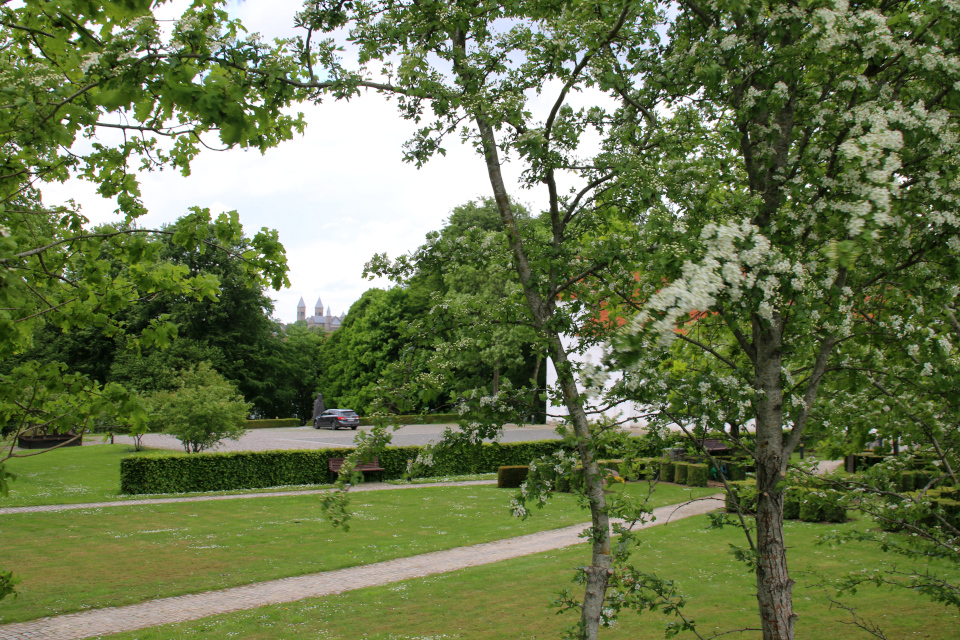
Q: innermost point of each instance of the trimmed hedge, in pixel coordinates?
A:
(512, 477)
(697, 475)
(184, 473)
(818, 505)
(680, 472)
(666, 470)
(269, 424)
(433, 418)
(641, 469)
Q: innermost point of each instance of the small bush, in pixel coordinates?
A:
(666, 470)
(822, 505)
(270, 424)
(792, 497)
(680, 472)
(697, 475)
(511, 477)
(810, 510)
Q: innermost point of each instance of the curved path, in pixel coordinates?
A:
(102, 622)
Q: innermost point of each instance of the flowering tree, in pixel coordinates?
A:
(808, 165)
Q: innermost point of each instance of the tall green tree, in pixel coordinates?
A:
(806, 157)
(473, 68)
(72, 70)
(477, 331)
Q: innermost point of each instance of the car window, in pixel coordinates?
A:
(350, 414)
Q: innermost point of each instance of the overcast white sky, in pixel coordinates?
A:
(337, 195)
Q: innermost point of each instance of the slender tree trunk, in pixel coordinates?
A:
(774, 586)
(598, 573)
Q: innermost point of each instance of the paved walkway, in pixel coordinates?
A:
(195, 606)
(369, 486)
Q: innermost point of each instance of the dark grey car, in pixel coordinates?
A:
(336, 418)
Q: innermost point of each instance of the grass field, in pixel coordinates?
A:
(512, 599)
(117, 555)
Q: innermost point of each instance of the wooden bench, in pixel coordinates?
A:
(713, 445)
(334, 464)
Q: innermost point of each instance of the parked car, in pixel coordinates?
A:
(336, 418)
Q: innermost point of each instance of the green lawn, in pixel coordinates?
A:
(118, 555)
(80, 474)
(512, 599)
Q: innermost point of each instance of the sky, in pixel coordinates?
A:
(337, 195)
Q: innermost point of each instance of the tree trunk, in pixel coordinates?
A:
(774, 586)
(542, 311)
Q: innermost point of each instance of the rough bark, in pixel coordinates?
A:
(774, 586)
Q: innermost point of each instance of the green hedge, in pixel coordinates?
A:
(511, 477)
(697, 475)
(433, 418)
(817, 505)
(680, 472)
(269, 424)
(183, 473)
(666, 470)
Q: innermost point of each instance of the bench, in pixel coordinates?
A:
(713, 445)
(334, 464)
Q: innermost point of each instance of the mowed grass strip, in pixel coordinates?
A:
(110, 556)
(512, 599)
(90, 473)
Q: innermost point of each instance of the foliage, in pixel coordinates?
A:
(201, 410)
(427, 418)
(801, 173)
(372, 348)
(476, 329)
(269, 424)
(88, 90)
(164, 473)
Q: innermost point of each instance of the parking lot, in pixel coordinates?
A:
(310, 438)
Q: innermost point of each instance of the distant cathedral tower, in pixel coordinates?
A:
(327, 322)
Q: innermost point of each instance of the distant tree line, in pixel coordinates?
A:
(388, 339)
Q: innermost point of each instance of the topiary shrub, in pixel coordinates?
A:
(666, 470)
(810, 509)
(511, 477)
(697, 475)
(792, 497)
(680, 472)
(822, 505)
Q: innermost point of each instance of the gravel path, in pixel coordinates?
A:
(369, 486)
(200, 605)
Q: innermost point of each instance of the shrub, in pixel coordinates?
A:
(180, 473)
(511, 477)
(430, 418)
(697, 475)
(269, 424)
(822, 505)
(202, 410)
(792, 497)
(641, 469)
(680, 472)
(666, 470)
(810, 510)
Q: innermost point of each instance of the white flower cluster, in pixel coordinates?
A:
(738, 259)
